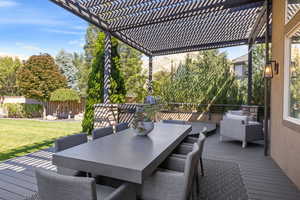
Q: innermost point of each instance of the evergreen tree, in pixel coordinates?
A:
(8, 69)
(204, 78)
(83, 71)
(96, 81)
(64, 60)
(39, 77)
(134, 75)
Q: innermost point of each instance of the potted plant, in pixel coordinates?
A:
(144, 119)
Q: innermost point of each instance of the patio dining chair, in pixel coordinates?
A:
(174, 121)
(187, 147)
(174, 180)
(101, 132)
(122, 126)
(66, 143)
(60, 187)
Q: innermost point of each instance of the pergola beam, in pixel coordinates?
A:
(259, 23)
(179, 11)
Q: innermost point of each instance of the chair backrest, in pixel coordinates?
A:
(70, 141)
(191, 164)
(122, 126)
(200, 142)
(59, 187)
(101, 132)
(174, 121)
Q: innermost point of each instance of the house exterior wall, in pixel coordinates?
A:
(285, 136)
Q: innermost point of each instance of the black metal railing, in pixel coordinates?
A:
(110, 114)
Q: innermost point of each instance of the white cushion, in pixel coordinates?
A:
(237, 117)
(236, 112)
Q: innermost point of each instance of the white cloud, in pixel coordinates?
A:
(63, 32)
(29, 47)
(79, 42)
(30, 21)
(7, 3)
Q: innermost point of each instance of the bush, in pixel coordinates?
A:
(22, 110)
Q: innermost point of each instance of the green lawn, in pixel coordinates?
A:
(19, 137)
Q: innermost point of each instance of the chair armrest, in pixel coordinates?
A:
(174, 164)
(163, 184)
(125, 191)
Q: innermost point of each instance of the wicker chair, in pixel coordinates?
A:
(174, 181)
(101, 132)
(60, 187)
(66, 143)
(122, 126)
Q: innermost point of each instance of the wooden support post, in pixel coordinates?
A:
(107, 67)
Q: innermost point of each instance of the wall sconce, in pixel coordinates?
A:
(271, 68)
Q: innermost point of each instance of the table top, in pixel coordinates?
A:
(124, 155)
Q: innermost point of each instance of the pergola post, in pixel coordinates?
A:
(107, 67)
(150, 76)
(250, 72)
(267, 83)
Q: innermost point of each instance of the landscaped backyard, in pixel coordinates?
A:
(20, 137)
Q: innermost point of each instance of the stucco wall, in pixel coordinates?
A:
(285, 141)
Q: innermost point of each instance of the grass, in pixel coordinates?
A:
(20, 137)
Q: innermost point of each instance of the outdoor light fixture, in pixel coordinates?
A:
(271, 68)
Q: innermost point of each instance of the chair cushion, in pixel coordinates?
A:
(237, 117)
(103, 191)
(236, 112)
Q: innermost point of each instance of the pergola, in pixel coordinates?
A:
(161, 27)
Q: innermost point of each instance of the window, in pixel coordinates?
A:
(292, 79)
(293, 6)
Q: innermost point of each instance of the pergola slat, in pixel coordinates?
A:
(157, 27)
(184, 10)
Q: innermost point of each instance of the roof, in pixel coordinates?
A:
(241, 59)
(159, 27)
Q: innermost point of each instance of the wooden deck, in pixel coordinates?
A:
(262, 177)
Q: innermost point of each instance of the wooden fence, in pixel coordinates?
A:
(64, 110)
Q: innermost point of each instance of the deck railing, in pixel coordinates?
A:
(111, 114)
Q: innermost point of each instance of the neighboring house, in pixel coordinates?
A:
(240, 66)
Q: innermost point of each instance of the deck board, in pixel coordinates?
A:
(263, 179)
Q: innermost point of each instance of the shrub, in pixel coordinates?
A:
(21, 110)
(64, 94)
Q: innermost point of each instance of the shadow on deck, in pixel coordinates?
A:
(262, 178)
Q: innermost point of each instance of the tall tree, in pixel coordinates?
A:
(39, 77)
(64, 60)
(91, 37)
(204, 78)
(96, 81)
(83, 71)
(134, 75)
(8, 69)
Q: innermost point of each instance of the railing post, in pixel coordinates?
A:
(107, 68)
(150, 76)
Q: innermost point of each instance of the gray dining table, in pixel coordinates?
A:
(124, 155)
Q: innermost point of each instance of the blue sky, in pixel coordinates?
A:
(29, 27)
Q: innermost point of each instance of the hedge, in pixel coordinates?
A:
(22, 110)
